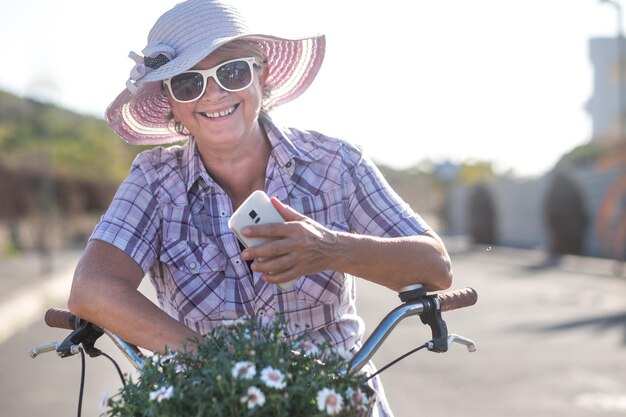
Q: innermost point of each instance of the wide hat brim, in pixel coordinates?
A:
(140, 117)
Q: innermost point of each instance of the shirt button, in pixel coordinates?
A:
(237, 261)
(288, 164)
(261, 313)
(193, 265)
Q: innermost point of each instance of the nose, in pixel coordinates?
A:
(213, 91)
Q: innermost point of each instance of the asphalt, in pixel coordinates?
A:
(30, 283)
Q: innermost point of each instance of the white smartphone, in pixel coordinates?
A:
(256, 209)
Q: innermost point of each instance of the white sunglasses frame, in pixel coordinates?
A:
(212, 72)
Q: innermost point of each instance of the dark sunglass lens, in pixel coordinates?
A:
(187, 86)
(234, 75)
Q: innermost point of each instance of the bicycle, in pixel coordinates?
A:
(415, 301)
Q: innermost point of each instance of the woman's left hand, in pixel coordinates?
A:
(301, 246)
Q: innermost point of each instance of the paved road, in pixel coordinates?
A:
(551, 342)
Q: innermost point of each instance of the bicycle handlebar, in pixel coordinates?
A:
(61, 319)
(453, 300)
(416, 302)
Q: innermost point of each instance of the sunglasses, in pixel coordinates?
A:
(235, 75)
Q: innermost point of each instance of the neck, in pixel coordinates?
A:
(241, 170)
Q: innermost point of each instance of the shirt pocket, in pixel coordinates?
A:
(326, 208)
(198, 279)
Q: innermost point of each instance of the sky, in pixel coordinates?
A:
(486, 80)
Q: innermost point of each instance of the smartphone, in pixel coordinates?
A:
(256, 209)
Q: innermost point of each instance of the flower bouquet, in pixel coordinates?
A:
(245, 369)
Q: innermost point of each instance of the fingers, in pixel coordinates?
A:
(265, 251)
(274, 274)
(281, 261)
(287, 213)
(271, 230)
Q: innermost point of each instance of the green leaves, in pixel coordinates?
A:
(243, 370)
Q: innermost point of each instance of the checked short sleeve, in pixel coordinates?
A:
(375, 208)
(132, 221)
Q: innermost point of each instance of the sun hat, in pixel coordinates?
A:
(181, 38)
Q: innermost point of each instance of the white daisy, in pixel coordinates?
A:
(254, 398)
(232, 323)
(329, 400)
(358, 399)
(310, 348)
(244, 369)
(273, 378)
(163, 393)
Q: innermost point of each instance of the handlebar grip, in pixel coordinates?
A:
(62, 319)
(452, 300)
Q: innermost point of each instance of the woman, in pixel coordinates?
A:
(206, 78)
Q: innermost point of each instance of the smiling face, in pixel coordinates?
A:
(222, 121)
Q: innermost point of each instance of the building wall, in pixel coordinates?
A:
(521, 213)
(602, 106)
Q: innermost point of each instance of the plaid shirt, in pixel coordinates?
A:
(171, 217)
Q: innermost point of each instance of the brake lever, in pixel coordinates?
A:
(455, 338)
(43, 348)
(69, 350)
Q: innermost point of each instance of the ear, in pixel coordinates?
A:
(265, 72)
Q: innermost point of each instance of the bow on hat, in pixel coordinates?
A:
(155, 55)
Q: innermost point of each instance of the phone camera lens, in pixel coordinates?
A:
(252, 214)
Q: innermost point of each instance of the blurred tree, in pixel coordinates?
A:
(481, 215)
(54, 160)
(611, 220)
(585, 155)
(81, 146)
(566, 216)
(473, 172)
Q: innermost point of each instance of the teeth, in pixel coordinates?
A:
(220, 113)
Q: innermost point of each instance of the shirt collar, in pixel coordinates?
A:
(283, 149)
(194, 169)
